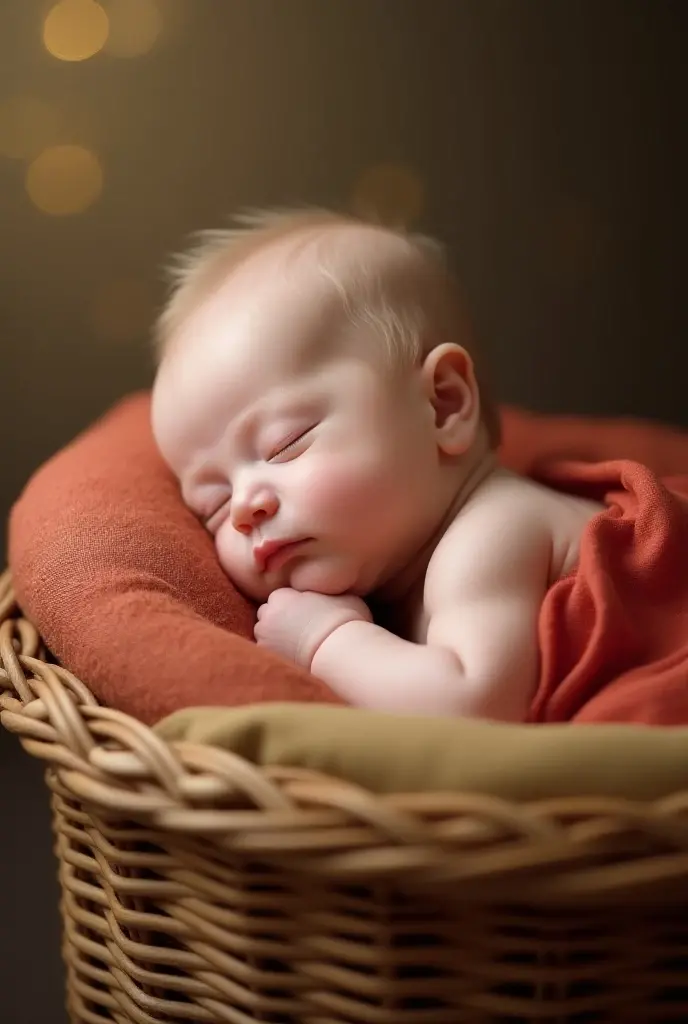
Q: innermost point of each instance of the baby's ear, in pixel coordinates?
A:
(450, 384)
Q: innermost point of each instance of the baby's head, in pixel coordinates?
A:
(316, 399)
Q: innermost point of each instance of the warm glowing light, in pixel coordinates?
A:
(27, 125)
(64, 179)
(391, 193)
(134, 27)
(122, 310)
(75, 29)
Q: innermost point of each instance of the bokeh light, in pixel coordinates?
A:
(134, 27)
(75, 29)
(391, 193)
(122, 310)
(27, 125)
(64, 180)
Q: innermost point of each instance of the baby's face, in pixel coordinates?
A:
(311, 463)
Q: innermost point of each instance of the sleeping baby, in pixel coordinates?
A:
(318, 401)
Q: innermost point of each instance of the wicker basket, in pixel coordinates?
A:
(199, 888)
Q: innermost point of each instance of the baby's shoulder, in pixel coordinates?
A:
(500, 519)
(510, 515)
(504, 506)
(521, 501)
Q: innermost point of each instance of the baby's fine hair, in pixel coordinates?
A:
(404, 291)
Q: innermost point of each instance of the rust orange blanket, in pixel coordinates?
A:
(614, 634)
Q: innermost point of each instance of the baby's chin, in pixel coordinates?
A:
(259, 590)
(252, 586)
(332, 576)
(328, 575)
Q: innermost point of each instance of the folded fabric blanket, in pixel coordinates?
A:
(614, 633)
(532, 439)
(123, 584)
(387, 753)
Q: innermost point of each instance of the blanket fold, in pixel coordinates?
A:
(614, 633)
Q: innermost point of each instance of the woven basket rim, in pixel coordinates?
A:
(480, 847)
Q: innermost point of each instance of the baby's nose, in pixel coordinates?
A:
(251, 510)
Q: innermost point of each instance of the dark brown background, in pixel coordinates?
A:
(544, 141)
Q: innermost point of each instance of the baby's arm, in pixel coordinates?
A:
(372, 668)
(484, 591)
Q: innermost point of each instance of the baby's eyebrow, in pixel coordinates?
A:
(261, 417)
(245, 422)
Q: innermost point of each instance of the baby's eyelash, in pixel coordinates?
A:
(291, 444)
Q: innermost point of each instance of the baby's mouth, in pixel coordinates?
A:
(271, 555)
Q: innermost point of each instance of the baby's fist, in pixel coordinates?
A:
(295, 623)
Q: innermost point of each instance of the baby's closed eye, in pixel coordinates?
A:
(291, 447)
(213, 520)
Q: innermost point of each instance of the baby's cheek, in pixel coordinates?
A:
(225, 551)
(334, 491)
(238, 566)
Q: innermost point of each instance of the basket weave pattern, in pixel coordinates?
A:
(197, 887)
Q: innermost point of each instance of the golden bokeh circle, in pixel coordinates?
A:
(75, 30)
(134, 27)
(27, 125)
(63, 180)
(122, 310)
(390, 193)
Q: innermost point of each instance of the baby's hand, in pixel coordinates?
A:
(295, 623)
